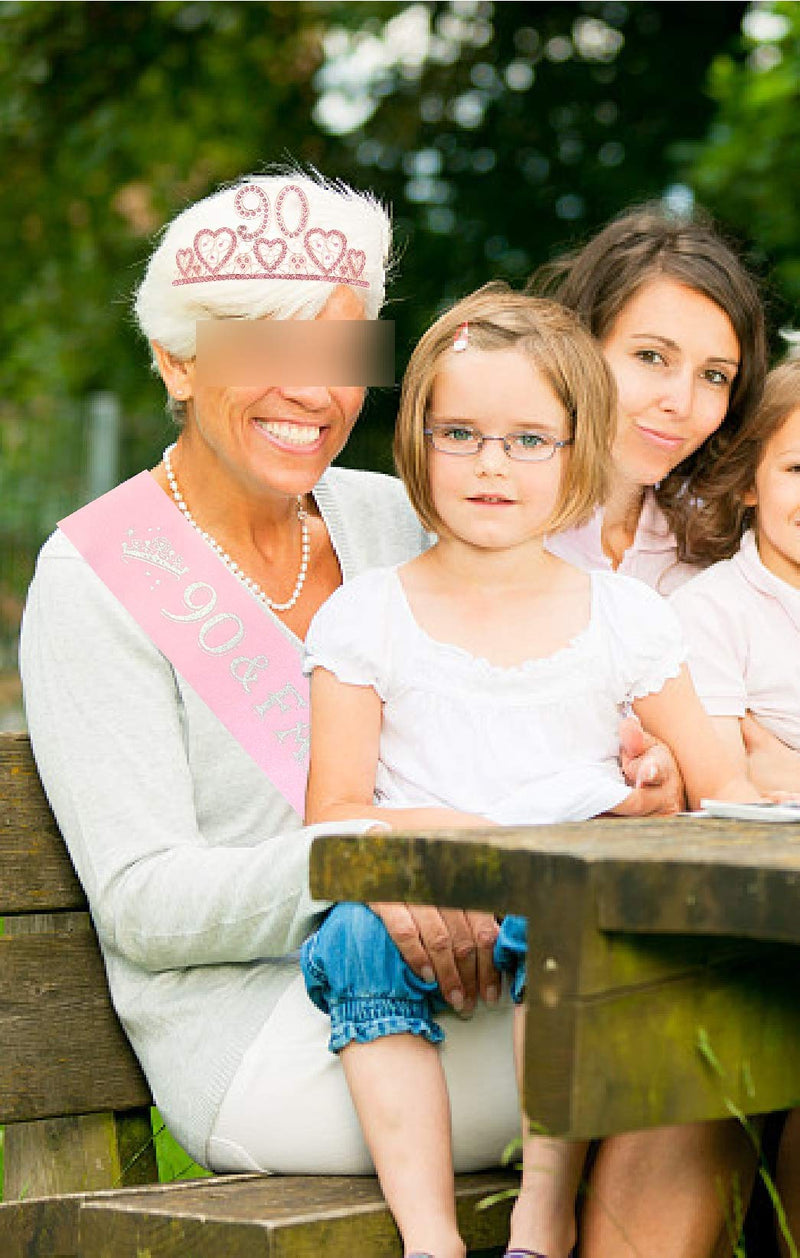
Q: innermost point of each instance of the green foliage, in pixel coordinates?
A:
(499, 132)
(173, 1161)
(736, 1224)
(749, 168)
(112, 117)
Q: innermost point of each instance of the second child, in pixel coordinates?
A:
(741, 616)
(486, 676)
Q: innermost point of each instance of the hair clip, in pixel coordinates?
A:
(461, 338)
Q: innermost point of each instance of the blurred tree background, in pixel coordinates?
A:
(499, 132)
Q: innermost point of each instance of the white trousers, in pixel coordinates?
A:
(289, 1110)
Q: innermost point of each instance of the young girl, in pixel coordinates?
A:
(741, 617)
(487, 676)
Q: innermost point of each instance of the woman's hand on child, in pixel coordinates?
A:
(649, 768)
(448, 945)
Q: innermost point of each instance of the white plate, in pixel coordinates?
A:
(731, 811)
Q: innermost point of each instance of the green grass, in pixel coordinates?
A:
(736, 1225)
(173, 1161)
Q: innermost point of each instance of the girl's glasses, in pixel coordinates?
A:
(525, 444)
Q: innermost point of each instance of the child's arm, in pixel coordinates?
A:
(345, 735)
(772, 765)
(729, 732)
(712, 766)
(345, 740)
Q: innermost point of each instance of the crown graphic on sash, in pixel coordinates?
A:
(156, 551)
(281, 247)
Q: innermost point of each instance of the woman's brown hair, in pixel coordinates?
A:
(725, 515)
(571, 363)
(596, 281)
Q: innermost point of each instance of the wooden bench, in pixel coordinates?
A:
(81, 1179)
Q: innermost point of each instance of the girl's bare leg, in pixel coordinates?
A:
(543, 1218)
(399, 1091)
(787, 1178)
(668, 1193)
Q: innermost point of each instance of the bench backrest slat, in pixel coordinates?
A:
(36, 875)
(62, 1050)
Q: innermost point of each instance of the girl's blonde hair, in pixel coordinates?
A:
(566, 355)
(725, 516)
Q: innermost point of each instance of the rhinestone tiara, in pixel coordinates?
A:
(283, 246)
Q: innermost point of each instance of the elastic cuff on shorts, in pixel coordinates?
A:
(362, 1020)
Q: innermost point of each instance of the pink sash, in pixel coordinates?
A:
(220, 639)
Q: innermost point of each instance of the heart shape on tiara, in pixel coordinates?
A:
(185, 261)
(326, 248)
(215, 248)
(270, 253)
(356, 261)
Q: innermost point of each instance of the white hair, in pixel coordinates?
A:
(186, 281)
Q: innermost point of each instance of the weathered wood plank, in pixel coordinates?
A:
(752, 900)
(630, 1056)
(474, 869)
(62, 1050)
(683, 875)
(47, 1227)
(37, 874)
(33, 1229)
(614, 1019)
(78, 1154)
(274, 1217)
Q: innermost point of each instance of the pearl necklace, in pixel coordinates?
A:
(251, 585)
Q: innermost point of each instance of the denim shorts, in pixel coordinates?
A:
(510, 950)
(355, 973)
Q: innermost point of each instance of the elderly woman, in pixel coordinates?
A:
(182, 810)
(161, 654)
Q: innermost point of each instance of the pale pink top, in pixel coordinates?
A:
(742, 624)
(652, 557)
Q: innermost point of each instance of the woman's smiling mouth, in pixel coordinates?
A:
(290, 435)
(664, 440)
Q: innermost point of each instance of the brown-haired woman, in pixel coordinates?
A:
(682, 327)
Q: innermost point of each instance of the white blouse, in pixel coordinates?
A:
(742, 624)
(533, 743)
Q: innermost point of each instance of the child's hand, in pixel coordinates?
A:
(453, 947)
(649, 767)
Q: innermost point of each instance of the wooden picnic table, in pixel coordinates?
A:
(663, 956)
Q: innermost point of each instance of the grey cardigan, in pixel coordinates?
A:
(195, 867)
